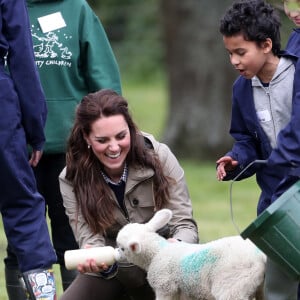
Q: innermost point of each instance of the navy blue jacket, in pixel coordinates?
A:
(251, 143)
(293, 44)
(16, 43)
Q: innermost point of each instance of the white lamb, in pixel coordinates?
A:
(226, 269)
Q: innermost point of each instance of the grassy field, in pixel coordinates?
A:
(211, 199)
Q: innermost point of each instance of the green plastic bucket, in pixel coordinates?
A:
(277, 231)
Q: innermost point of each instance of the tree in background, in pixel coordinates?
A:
(200, 78)
(180, 39)
(134, 30)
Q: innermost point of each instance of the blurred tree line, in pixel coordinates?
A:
(134, 30)
(179, 40)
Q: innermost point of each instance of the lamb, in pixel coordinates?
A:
(229, 268)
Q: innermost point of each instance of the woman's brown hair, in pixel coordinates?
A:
(83, 168)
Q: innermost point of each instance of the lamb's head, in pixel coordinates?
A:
(135, 241)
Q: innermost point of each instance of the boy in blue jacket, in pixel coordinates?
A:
(265, 114)
(22, 119)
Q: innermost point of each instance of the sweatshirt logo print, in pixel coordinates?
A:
(49, 49)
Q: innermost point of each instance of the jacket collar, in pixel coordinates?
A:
(136, 175)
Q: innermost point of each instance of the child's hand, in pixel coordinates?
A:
(35, 157)
(225, 163)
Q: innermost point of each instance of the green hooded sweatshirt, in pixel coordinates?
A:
(74, 58)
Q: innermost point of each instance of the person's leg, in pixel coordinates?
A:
(46, 173)
(39, 284)
(22, 207)
(134, 279)
(14, 289)
(93, 288)
(283, 186)
(67, 276)
(129, 284)
(278, 285)
(144, 292)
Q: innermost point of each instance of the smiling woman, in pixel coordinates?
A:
(117, 174)
(109, 139)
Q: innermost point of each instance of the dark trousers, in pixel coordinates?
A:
(46, 174)
(22, 207)
(129, 284)
(284, 186)
(278, 285)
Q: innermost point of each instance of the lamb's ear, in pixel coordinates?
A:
(160, 219)
(134, 246)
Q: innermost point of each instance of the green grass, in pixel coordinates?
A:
(210, 198)
(211, 201)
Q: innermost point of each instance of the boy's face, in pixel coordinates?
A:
(292, 10)
(246, 56)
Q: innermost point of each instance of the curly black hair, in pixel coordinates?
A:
(255, 19)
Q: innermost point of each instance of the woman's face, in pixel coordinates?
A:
(110, 141)
(292, 10)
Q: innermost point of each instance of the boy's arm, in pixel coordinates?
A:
(287, 152)
(245, 148)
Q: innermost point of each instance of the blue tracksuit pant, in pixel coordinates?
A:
(22, 207)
